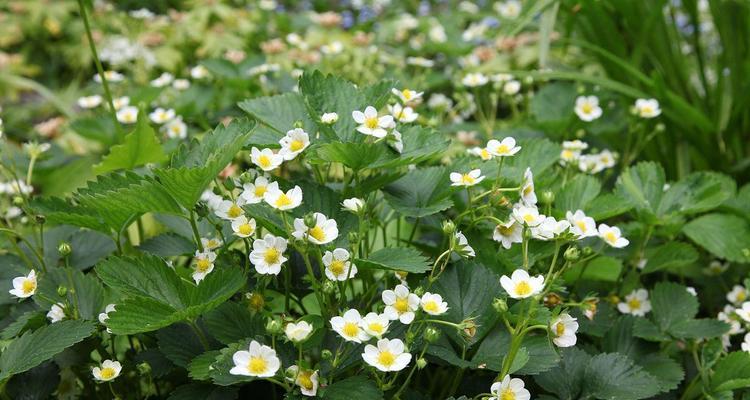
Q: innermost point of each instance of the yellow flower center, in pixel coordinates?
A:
(581, 225)
(587, 108)
(610, 237)
(107, 373)
(351, 329)
(318, 233)
(560, 329)
(567, 154)
(175, 129)
(376, 327)
(467, 180)
(646, 110)
(283, 200)
(304, 380)
(203, 265)
(523, 288)
(431, 306)
(502, 149)
(296, 145)
(337, 267)
(257, 365)
(271, 256)
(234, 211)
(634, 304)
(407, 94)
(484, 154)
(741, 295)
(386, 358)
(528, 190)
(264, 161)
(371, 123)
(508, 394)
(401, 305)
(28, 286)
(260, 190)
(246, 229)
(529, 218)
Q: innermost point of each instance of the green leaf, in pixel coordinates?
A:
(732, 372)
(566, 379)
(645, 329)
(139, 147)
(578, 193)
(277, 115)
(232, 322)
(607, 206)
(179, 343)
(33, 348)
(420, 193)
(614, 376)
(671, 303)
(84, 290)
(168, 245)
(699, 329)
(553, 102)
(356, 387)
(202, 391)
(696, 193)
(397, 259)
(200, 367)
(642, 186)
(670, 255)
(723, 235)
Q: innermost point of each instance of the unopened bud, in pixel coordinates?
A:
(202, 210)
(144, 368)
(587, 251)
(449, 227)
(419, 291)
(17, 200)
(256, 301)
(469, 328)
(552, 300)
(431, 334)
(353, 237)
(41, 219)
(62, 291)
(500, 305)
(298, 124)
(547, 197)
(572, 254)
(660, 127)
(309, 221)
(421, 363)
(329, 287)
(326, 354)
(274, 327)
(229, 184)
(64, 249)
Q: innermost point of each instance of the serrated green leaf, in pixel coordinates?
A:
(232, 322)
(566, 379)
(168, 245)
(200, 367)
(420, 193)
(699, 329)
(698, 192)
(670, 255)
(723, 235)
(642, 186)
(179, 343)
(607, 206)
(202, 391)
(614, 376)
(732, 372)
(277, 115)
(83, 290)
(33, 348)
(577, 193)
(139, 147)
(359, 387)
(396, 259)
(671, 304)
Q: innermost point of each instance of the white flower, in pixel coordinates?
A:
(692, 291)
(527, 215)
(549, 228)
(259, 361)
(745, 346)
(110, 76)
(338, 266)
(716, 267)
(268, 254)
(56, 312)
(505, 148)
(462, 246)
(199, 72)
(127, 114)
(389, 355)
(298, 332)
(372, 125)
(306, 379)
(348, 327)
(253, 193)
(181, 84)
(104, 316)
(175, 129)
(647, 108)
(738, 295)
(581, 225)
(90, 101)
(587, 108)
(636, 303)
(481, 152)
(121, 102)
(612, 236)
(604, 160)
(295, 141)
(744, 312)
(332, 48)
(563, 330)
(575, 145)
(508, 233)
(324, 231)
(421, 61)
(528, 195)
(568, 156)
(470, 179)
(204, 264)
(375, 324)
(279, 200)
(402, 114)
(433, 304)
(400, 304)
(475, 79)
(230, 210)
(163, 80)
(211, 243)
(161, 115)
(329, 118)
(729, 315)
(395, 141)
(439, 101)
(108, 371)
(520, 285)
(509, 389)
(354, 205)
(243, 227)
(266, 159)
(407, 96)
(512, 87)
(24, 286)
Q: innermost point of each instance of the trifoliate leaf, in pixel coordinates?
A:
(671, 303)
(139, 147)
(732, 372)
(231, 322)
(277, 115)
(577, 193)
(614, 376)
(697, 192)
(642, 186)
(723, 235)
(670, 255)
(420, 193)
(404, 259)
(179, 343)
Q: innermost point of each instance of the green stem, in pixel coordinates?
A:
(196, 234)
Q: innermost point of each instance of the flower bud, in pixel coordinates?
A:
(421, 363)
(329, 287)
(17, 200)
(469, 327)
(547, 197)
(431, 334)
(256, 301)
(274, 327)
(587, 251)
(201, 209)
(144, 368)
(229, 184)
(62, 291)
(660, 127)
(298, 124)
(309, 221)
(64, 249)
(419, 291)
(326, 354)
(572, 254)
(552, 300)
(500, 305)
(353, 237)
(449, 227)
(41, 219)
